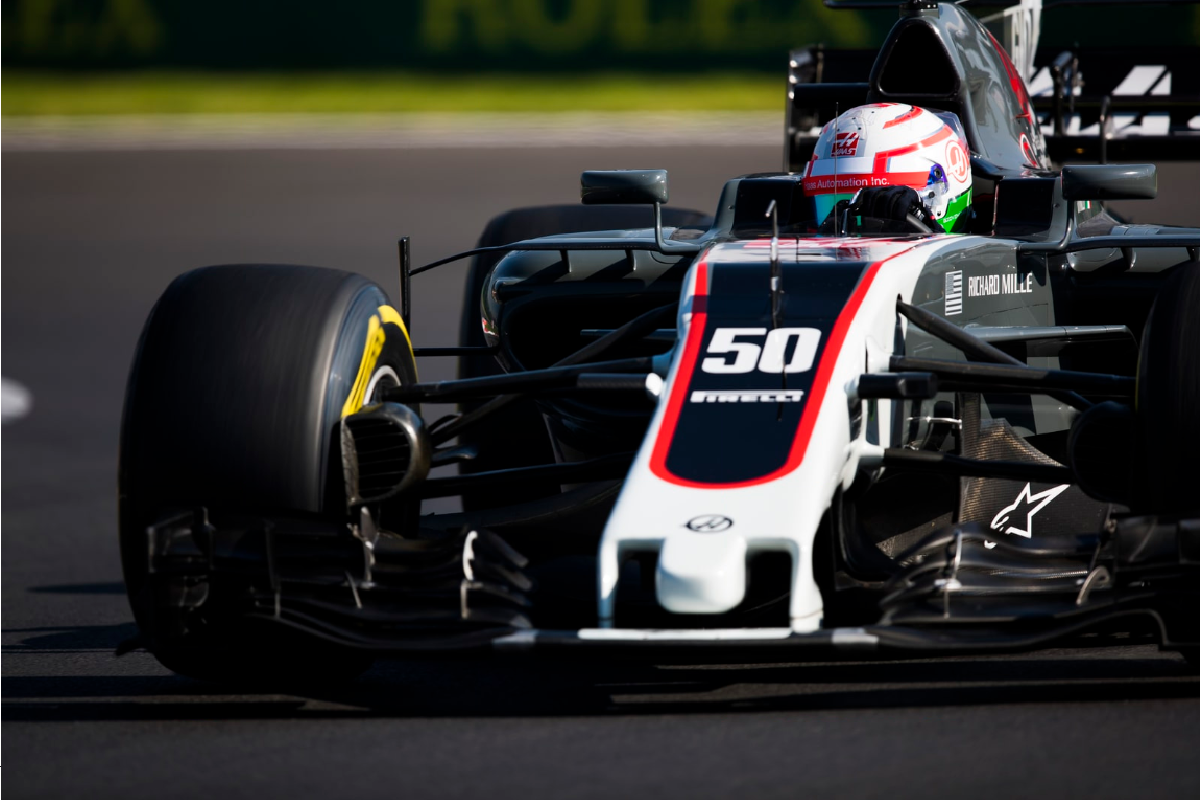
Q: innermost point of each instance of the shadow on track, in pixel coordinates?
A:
(524, 686)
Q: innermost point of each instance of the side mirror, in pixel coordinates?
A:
(1110, 182)
(626, 186)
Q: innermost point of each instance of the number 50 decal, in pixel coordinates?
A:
(768, 357)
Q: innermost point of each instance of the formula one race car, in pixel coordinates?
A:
(921, 392)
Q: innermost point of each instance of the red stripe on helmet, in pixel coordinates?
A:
(912, 113)
(883, 155)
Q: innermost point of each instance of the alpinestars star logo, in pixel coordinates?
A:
(1029, 503)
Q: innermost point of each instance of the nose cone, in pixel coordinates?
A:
(701, 573)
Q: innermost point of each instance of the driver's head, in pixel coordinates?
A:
(892, 144)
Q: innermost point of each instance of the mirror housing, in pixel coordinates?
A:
(1110, 182)
(625, 186)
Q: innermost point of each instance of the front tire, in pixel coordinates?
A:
(240, 378)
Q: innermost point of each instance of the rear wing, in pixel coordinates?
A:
(1092, 104)
(1120, 104)
(821, 84)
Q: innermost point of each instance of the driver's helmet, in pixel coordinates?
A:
(893, 144)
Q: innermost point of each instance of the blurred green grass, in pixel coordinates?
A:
(27, 93)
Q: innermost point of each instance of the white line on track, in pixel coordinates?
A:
(389, 131)
(15, 400)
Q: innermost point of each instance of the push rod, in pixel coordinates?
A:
(606, 468)
(972, 346)
(635, 329)
(960, 376)
(511, 383)
(931, 461)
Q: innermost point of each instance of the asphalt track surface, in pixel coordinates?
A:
(91, 239)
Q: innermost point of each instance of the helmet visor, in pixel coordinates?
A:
(824, 204)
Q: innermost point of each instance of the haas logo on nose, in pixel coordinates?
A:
(709, 523)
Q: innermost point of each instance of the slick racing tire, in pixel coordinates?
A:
(240, 378)
(517, 436)
(1168, 400)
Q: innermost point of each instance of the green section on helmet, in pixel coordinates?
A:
(957, 216)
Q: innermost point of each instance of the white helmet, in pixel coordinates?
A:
(893, 144)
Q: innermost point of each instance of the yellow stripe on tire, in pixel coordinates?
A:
(376, 338)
